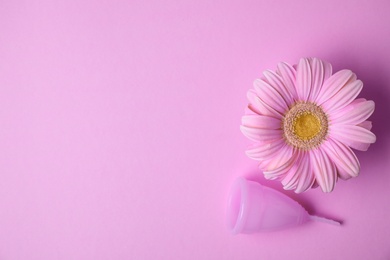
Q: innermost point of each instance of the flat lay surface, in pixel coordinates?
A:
(119, 127)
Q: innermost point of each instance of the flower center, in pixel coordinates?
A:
(305, 126)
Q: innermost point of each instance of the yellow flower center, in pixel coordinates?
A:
(305, 125)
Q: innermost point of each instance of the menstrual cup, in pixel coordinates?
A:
(255, 208)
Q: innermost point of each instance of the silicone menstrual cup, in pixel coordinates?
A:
(255, 208)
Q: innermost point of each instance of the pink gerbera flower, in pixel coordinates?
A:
(304, 122)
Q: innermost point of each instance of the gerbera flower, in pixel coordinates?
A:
(304, 122)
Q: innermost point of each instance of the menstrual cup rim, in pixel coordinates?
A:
(240, 185)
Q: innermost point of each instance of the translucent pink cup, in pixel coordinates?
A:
(254, 208)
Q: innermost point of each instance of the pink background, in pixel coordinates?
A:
(119, 126)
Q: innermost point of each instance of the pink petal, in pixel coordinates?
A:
(290, 178)
(366, 124)
(277, 82)
(352, 135)
(317, 70)
(263, 151)
(360, 146)
(285, 153)
(333, 84)
(327, 70)
(341, 112)
(300, 177)
(307, 178)
(304, 79)
(344, 97)
(259, 107)
(261, 135)
(288, 74)
(270, 96)
(260, 121)
(324, 170)
(355, 113)
(281, 171)
(344, 158)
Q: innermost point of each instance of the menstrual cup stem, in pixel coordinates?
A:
(325, 220)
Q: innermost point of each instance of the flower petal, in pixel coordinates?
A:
(270, 96)
(259, 107)
(288, 74)
(277, 82)
(260, 121)
(355, 113)
(344, 158)
(317, 70)
(344, 97)
(352, 135)
(261, 135)
(366, 124)
(300, 177)
(280, 158)
(333, 84)
(334, 116)
(281, 171)
(327, 71)
(263, 151)
(307, 178)
(360, 146)
(291, 177)
(324, 170)
(304, 79)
